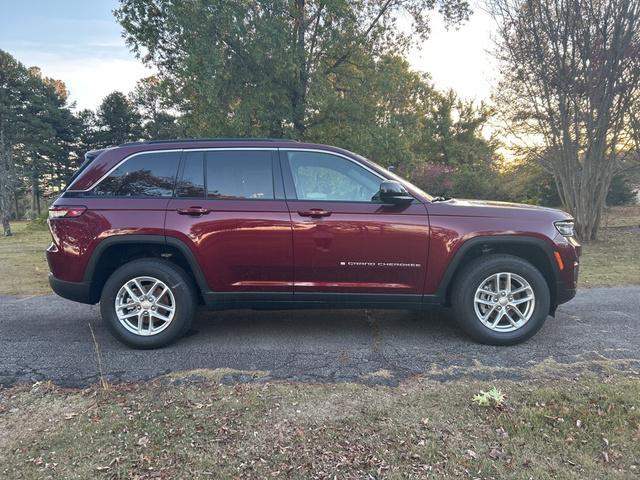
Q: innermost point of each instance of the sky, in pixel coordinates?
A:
(80, 43)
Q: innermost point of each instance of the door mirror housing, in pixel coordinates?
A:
(394, 193)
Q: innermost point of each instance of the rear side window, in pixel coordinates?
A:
(191, 179)
(239, 174)
(145, 175)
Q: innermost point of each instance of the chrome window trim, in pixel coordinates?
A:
(171, 150)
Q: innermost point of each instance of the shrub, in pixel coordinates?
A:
(434, 178)
(620, 191)
(477, 182)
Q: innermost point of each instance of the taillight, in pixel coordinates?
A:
(66, 212)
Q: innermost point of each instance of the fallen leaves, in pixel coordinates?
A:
(143, 441)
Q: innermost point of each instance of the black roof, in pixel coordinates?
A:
(219, 139)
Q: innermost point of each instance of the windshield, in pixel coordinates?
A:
(393, 176)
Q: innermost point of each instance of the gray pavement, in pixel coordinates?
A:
(48, 338)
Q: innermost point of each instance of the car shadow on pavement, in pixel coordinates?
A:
(331, 326)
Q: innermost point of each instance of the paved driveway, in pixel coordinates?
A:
(48, 338)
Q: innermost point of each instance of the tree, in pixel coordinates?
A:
(454, 132)
(571, 73)
(117, 121)
(37, 132)
(267, 67)
(149, 100)
(12, 75)
(7, 183)
(380, 110)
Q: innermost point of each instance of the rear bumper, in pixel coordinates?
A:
(565, 294)
(76, 291)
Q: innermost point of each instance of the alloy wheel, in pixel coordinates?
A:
(145, 306)
(504, 302)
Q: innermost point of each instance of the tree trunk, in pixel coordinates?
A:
(6, 227)
(299, 91)
(5, 185)
(34, 197)
(16, 201)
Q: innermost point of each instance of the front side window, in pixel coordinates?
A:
(145, 175)
(239, 174)
(322, 176)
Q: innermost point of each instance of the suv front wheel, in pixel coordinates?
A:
(500, 299)
(148, 303)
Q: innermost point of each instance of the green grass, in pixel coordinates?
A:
(614, 259)
(556, 429)
(611, 261)
(24, 266)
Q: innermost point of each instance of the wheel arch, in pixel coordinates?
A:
(532, 249)
(113, 252)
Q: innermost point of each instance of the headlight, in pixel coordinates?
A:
(565, 227)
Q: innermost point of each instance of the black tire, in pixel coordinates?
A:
(178, 282)
(469, 279)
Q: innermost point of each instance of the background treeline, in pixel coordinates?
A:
(335, 72)
(433, 138)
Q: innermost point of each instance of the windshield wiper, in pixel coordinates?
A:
(440, 199)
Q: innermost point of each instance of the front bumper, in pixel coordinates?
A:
(76, 291)
(564, 294)
(567, 276)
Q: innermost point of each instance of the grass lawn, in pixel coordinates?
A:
(583, 427)
(613, 260)
(23, 266)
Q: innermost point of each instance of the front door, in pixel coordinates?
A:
(229, 208)
(345, 241)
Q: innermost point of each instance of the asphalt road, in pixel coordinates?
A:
(48, 338)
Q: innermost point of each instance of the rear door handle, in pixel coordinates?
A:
(314, 213)
(193, 211)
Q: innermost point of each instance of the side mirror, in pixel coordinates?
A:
(393, 192)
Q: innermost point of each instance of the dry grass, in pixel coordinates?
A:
(613, 260)
(174, 428)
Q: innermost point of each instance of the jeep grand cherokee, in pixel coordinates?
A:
(153, 229)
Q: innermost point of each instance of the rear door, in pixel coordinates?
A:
(346, 242)
(229, 208)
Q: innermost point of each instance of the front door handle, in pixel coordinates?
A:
(193, 211)
(314, 213)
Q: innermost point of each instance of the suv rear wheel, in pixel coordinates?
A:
(500, 299)
(148, 303)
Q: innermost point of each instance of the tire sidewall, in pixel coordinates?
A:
(475, 274)
(168, 273)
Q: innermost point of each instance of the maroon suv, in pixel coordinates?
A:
(150, 230)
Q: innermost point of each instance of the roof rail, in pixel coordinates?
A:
(219, 139)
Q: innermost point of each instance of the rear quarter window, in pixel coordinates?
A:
(143, 175)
